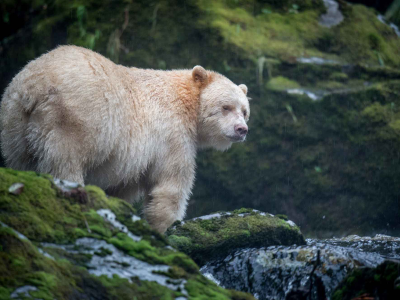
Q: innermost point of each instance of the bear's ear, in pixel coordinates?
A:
(199, 74)
(243, 87)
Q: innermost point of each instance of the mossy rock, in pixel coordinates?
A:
(281, 83)
(382, 282)
(287, 33)
(72, 242)
(212, 236)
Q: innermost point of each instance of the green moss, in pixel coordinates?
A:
(243, 211)
(5, 293)
(283, 217)
(180, 242)
(196, 290)
(60, 279)
(44, 213)
(79, 259)
(378, 281)
(376, 113)
(37, 270)
(17, 210)
(66, 276)
(284, 36)
(136, 249)
(205, 239)
(339, 76)
(350, 279)
(377, 277)
(274, 34)
(369, 42)
(103, 252)
(281, 84)
(120, 288)
(330, 85)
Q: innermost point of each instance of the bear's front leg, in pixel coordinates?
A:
(168, 197)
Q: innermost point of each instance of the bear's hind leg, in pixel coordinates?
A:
(60, 155)
(130, 192)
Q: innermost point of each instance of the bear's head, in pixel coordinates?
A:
(224, 110)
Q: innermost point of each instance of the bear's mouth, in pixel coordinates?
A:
(236, 138)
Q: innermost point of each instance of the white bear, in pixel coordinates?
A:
(134, 132)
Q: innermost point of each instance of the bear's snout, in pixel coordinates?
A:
(241, 130)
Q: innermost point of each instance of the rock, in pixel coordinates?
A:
(376, 283)
(53, 245)
(16, 188)
(208, 237)
(333, 15)
(279, 272)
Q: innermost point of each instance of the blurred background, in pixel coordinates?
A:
(324, 78)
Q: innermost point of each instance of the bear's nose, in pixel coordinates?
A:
(241, 130)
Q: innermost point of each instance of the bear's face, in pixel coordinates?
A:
(224, 112)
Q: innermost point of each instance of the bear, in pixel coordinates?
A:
(133, 132)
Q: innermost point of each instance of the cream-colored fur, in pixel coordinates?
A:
(80, 117)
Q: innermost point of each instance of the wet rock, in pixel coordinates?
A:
(22, 291)
(333, 15)
(312, 95)
(54, 246)
(16, 188)
(279, 272)
(72, 190)
(317, 61)
(376, 283)
(393, 26)
(207, 237)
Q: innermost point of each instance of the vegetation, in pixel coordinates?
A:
(367, 282)
(41, 212)
(207, 238)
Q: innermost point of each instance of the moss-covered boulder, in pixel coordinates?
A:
(382, 282)
(62, 241)
(208, 237)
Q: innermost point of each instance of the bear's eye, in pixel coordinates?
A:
(226, 107)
